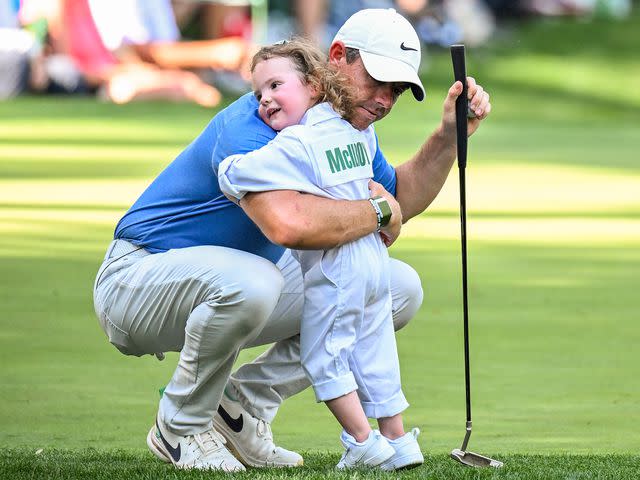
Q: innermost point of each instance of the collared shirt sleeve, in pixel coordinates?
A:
(241, 133)
(383, 172)
(282, 164)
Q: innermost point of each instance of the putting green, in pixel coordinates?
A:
(554, 256)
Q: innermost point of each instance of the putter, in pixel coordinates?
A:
(462, 111)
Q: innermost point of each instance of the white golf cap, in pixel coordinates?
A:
(388, 44)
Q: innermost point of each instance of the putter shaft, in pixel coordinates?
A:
(459, 69)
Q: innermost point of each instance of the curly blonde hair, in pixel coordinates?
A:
(331, 85)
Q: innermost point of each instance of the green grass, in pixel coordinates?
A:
(554, 236)
(98, 465)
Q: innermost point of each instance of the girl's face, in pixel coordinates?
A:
(284, 97)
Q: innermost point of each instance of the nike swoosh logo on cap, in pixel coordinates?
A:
(235, 424)
(404, 47)
(174, 452)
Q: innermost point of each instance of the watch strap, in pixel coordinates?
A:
(383, 211)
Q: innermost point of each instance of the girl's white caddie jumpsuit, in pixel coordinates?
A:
(347, 338)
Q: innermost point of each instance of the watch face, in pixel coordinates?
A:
(386, 211)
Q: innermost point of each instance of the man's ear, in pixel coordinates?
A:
(337, 52)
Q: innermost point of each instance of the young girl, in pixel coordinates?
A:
(347, 341)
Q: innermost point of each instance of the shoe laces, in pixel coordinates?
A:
(263, 430)
(209, 441)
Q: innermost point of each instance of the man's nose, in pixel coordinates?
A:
(265, 100)
(384, 95)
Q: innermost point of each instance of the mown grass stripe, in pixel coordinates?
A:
(26, 464)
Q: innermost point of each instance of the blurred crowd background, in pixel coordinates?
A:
(197, 50)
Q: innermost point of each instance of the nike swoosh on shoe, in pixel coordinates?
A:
(235, 424)
(174, 452)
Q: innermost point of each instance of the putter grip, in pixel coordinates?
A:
(460, 74)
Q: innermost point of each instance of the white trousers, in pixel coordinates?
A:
(347, 341)
(208, 303)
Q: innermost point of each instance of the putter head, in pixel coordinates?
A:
(473, 459)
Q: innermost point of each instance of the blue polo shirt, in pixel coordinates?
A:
(184, 207)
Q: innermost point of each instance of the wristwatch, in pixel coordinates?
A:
(383, 211)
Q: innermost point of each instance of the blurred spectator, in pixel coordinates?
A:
(445, 22)
(440, 22)
(432, 23)
(65, 53)
(474, 18)
(132, 49)
(72, 32)
(52, 70)
(212, 19)
(127, 78)
(557, 7)
(412, 7)
(339, 12)
(600, 8)
(18, 48)
(506, 8)
(573, 8)
(311, 18)
(147, 29)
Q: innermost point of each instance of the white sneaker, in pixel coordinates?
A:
(407, 452)
(250, 438)
(370, 453)
(202, 451)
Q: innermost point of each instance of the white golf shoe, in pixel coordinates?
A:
(250, 438)
(374, 451)
(202, 451)
(407, 452)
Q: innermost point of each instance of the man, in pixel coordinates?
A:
(190, 272)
